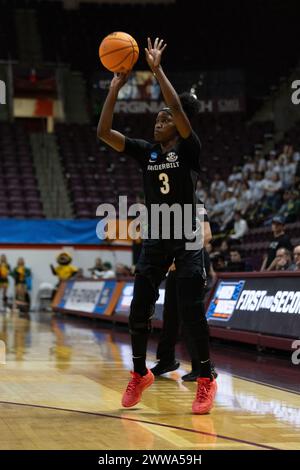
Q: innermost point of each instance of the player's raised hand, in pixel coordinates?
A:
(119, 80)
(154, 53)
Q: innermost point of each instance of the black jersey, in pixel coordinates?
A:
(170, 177)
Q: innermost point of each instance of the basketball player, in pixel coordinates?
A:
(165, 353)
(170, 169)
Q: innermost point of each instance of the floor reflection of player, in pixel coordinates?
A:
(21, 329)
(15, 338)
(61, 350)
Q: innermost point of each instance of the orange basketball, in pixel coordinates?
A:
(118, 52)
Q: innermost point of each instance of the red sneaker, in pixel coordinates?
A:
(206, 391)
(135, 388)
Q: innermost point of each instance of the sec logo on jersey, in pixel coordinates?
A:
(172, 157)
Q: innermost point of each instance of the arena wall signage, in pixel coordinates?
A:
(218, 105)
(123, 305)
(267, 305)
(218, 91)
(88, 298)
(109, 299)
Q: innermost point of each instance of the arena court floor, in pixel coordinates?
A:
(62, 382)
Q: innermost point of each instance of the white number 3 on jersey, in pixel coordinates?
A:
(165, 189)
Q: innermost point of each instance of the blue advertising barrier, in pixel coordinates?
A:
(74, 232)
(87, 297)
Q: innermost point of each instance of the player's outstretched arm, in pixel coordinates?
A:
(172, 100)
(113, 138)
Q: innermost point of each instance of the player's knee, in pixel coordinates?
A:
(142, 305)
(140, 318)
(144, 290)
(139, 328)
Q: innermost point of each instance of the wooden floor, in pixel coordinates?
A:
(61, 388)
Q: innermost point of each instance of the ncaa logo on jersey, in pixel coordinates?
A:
(153, 157)
(172, 157)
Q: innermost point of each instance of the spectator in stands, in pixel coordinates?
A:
(287, 170)
(296, 255)
(219, 264)
(272, 186)
(249, 166)
(228, 210)
(236, 187)
(97, 269)
(236, 263)
(240, 226)
(261, 164)
(256, 158)
(107, 272)
(236, 175)
(200, 191)
(245, 198)
(272, 165)
(282, 261)
(287, 152)
(256, 186)
(210, 203)
(290, 209)
(222, 212)
(224, 250)
(218, 187)
(280, 240)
